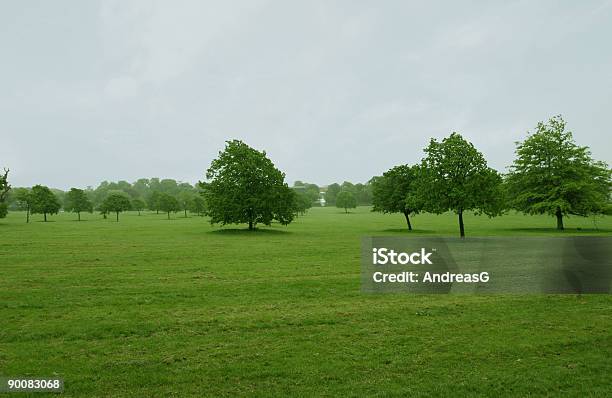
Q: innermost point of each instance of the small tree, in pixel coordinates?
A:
(168, 203)
(346, 200)
(303, 202)
(77, 201)
(23, 200)
(245, 187)
(198, 205)
(454, 176)
(4, 190)
(115, 203)
(43, 201)
(552, 175)
(185, 199)
(331, 193)
(138, 205)
(153, 201)
(389, 192)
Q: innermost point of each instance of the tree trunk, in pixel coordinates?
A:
(157, 211)
(168, 215)
(79, 215)
(138, 212)
(461, 228)
(45, 214)
(408, 220)
(27, 215)
(345, 210)
(185, 213)
(117, 216)
(250, 225)
(559, 219)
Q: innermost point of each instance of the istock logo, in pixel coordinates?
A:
(383, 256)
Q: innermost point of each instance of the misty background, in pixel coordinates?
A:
(332, 90)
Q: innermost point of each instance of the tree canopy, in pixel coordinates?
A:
(138, 205)
(168, 203)
(43, 201)
(553, 175)
(389, 192)
(332, 192)
(246, 187)
(454, 176)
(185, 200)
(346, 200)
(198, 205)
(116, 203)
(77, 201)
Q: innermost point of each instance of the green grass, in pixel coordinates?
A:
(155, 307)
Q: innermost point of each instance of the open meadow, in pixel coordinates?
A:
(155, 307)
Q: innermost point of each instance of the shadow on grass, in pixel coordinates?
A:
(556, 231)
(408, 232)
(246, 231)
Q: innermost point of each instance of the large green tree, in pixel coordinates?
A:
(115, 203)
(77, 201)
(553, 175)
(346, 200)
(168, 203)
(4, 190)
(44, 201)
(454, 176)
(390, 191)
(245, 187)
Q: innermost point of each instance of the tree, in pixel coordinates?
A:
(77, 201)
(153, 200)
(44, 201)
(346, 200)
(4, 190)
(389, 192)
(330, 195)
(168, 203)
(23, 200)
(198, 205)
(306, 192)
(138, 205)
(115, 202)
(363, 194)
(552, 175)
(246, 187)
(454, 176)
(185, 199)
(303, 201)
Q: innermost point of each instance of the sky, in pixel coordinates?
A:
(332, 90)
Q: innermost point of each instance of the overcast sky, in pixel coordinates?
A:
(332, 90)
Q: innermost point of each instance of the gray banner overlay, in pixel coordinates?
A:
(549, 265)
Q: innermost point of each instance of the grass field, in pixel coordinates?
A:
(155, 307)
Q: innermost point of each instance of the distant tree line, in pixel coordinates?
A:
(310, 195)
(157, 195)
(551, 174)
